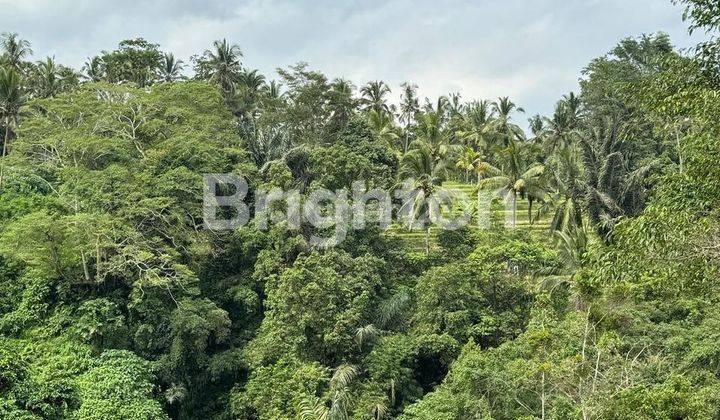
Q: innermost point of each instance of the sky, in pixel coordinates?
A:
(530, 50)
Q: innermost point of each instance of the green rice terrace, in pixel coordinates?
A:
(500, 213)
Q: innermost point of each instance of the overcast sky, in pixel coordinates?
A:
(531, 50)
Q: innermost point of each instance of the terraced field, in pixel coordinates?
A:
(499, 212)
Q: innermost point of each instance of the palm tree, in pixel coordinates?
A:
(249, 88)
(455, 105)
(560, 128)
(341, 101)
(94, 69)
(274, 90)
(252, 80)
(338, 397)
(537, 128)
(574, 107)
(479, 122)
(373, 96)
(572, 244)
(520, 176)
(382, 125)
(604, 161)
(11, 100)
(566, 181)
(440, 107)
(49, 78)
(503, 109)
(223, 65)
(266, 143)
(170, 68)
(14, 50)
(468, 161)
(430, 131)
(409, 108)
(615, 185)
(427, 171)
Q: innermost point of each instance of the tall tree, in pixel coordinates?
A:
(614, 187)
(12, 99)
(566, 181)
(427, 171)
(558, 129)
(506, 129)
(382, 126)
(341, 102)
(409, 108)
(48, 80)
(536, 123)
(94, 69)
(478, 125)
(248, 92)
(220, 65)
(14, 50)
(374, 96)
(135, 61)
(170, 68)
(518, 176)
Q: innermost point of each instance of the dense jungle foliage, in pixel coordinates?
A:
(117, 303)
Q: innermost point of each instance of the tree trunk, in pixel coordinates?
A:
(514, 209)
(427, 239)
(86, 270)
(4, 151)
(530, 203)
(407, 137)
(479, 203)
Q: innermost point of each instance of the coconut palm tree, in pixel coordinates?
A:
(341, 101)
(506, 129)
(537, 128)
(49, 78)
(248, 92)
(455, 105)
(382, 125)
(374, 96)
(440, 107)
(431, 132)
(94, 69)
(170, 68)
(479, 125)
(559, 129)
(426, 170)
(468, 161)
(12, 99)
(519, 176)
(14, 50)
(565, 172)
(221, 65)
(409, 108)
